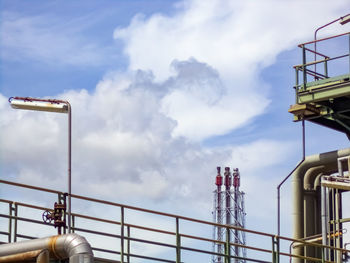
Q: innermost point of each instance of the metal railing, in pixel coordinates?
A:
(311, 58)
(121, 240)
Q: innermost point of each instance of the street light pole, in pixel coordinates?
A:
(51, 105)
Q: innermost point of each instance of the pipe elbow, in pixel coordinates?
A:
(73, 244)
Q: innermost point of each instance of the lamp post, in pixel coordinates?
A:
(343, 20)
(51, 105)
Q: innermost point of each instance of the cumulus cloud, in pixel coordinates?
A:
(123, 143)
(235, 39)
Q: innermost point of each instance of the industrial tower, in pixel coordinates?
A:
(228, 209)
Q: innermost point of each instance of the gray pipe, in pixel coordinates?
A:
(324, 220)
(329, 160)
(71, 246)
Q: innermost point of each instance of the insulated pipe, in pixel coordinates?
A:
(71, 246)
(41, 256)
(328, 159)
(310, 176)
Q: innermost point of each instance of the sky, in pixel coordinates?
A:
(162, 92)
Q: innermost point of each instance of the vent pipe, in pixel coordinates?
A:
(70, 246)
(228, 184)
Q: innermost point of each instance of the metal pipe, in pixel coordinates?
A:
(328, 159)
(324, 221)
(71, 246)
(69, 165)
(41, 256)
(287, 177)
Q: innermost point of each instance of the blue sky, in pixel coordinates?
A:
(163, 92)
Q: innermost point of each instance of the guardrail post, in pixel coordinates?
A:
(15, 228)
(122, 234)
(10, 223)
(178, 242)
(296, 84)
(322, 255)
(228, 246)
(275, 249)
(73, 225)
(349, 53)
(326, 67)
(64, 199)
(304, 68)
(128, 245)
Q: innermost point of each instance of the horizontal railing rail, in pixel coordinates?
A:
(126, 240)
(308, 71)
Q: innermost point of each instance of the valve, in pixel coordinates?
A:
(47, 217)
(57, 216)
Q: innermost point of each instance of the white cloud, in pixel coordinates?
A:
(232, 39)
(122, 145)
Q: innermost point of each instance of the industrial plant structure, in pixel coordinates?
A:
(322, 96)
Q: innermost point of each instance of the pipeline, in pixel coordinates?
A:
(70, 246)
(302, 178)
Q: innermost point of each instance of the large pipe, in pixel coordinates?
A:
(71, 246)
(39, 256)
(329, 160)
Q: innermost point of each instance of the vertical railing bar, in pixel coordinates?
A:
(10, 222)
(122, 234)
(278, 249)
(73, 225)
(326, 67)
(349, 53)
(15, 227)
(273, 250)
(297, 84)
(65, 213)
(228, 246)
(178, 242)
(128, 245)
(323, 255)
(304, 68)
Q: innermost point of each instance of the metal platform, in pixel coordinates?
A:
(319, 97)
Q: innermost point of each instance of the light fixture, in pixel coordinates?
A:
(49, 105)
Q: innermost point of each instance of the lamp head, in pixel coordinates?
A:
(38, 105)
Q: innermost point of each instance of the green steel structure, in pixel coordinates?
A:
(322, 90)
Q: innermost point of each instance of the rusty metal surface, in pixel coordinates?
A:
(21, 257)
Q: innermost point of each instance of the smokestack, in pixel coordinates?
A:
(236, 178)
(218, 183)
(228, 182)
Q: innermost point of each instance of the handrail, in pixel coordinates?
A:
(178, 245)
(323, 39)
